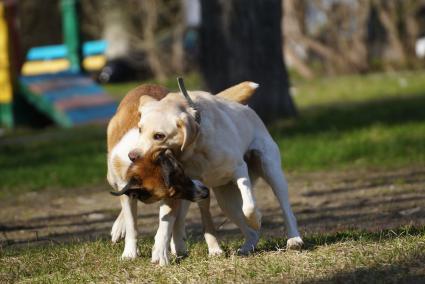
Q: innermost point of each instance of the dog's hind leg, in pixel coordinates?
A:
(210, 233)
(177, 245)
(129, 210)
(271, 171)
(230, 201)
(249, 206)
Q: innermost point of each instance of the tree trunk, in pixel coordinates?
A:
(115, 30)
(387, 13)
(150, 9)
(242, 40)
(292, 28)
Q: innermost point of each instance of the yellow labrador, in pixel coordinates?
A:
(221, 143)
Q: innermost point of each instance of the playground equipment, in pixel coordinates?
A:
(6, 117)
(52, 79)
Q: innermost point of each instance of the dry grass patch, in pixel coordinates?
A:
(361, 257)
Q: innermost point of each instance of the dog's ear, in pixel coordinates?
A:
(169, 165)
(188, 128)
(144, 100)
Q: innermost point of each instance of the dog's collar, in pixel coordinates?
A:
(182, 88)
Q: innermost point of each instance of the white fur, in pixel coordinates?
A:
(253, 85)
(167, 217)
(171, 230)
(126, 223)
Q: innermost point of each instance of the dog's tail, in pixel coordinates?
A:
(239, 93)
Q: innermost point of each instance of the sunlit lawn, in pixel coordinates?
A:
(394, 256)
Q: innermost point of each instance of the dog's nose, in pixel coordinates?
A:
(133, 155)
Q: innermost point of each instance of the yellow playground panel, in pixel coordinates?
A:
(6, 92)
(90, 63)
(5, 79)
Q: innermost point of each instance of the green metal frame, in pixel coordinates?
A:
(6, 115)
(71, 33)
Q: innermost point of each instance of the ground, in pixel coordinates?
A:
(324, 202)
(355, 166)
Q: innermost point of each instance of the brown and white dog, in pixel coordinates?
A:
(226, 146)
(154, 176)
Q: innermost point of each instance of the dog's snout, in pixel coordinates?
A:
(204, 192)
(200, 192)
(133, 155)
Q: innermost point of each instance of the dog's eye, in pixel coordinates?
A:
(158, 136)
(137, 179)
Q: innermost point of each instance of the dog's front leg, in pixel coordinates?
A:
(249, 206)
(129, 211)
(178, 246)
(167, 216)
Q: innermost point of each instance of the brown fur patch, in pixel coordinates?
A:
(118, 166)
(150, 176)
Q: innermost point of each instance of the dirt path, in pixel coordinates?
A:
(323, 202)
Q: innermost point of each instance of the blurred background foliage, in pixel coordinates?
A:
(320, 36)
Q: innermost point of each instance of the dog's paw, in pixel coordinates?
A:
(217, 251)
(178, 248)
(250, 244)
(118, 229)
(295, 243)
(160, 256)
(246, 250)
(130, 250)
(130, 253)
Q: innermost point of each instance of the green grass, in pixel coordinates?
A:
(344, 122)
(354, 256)
(54, 158)
(376, 120)
(358, 88)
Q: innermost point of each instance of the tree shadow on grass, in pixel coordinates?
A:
(58, 229)
(406, 270)
(316, 240)
(347, 117)
(413, 177)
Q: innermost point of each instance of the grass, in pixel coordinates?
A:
(358, 88)
(53, 159)
(356, 121)
(345, 122)
(390, 256)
